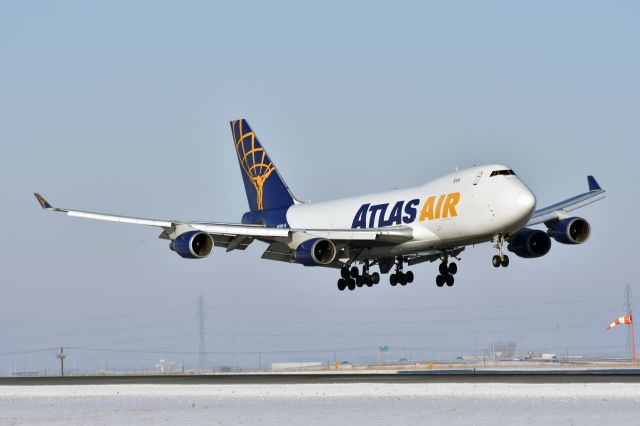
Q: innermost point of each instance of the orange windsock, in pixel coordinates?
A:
(622, 320)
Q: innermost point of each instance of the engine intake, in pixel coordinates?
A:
(574, 230)
(530, 243)
(317, 251)
(193, 245)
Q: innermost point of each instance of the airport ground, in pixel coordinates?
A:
(371, 403)
(541, 393)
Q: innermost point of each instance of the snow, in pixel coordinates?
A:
(371, 404)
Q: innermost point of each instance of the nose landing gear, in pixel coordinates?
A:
(500, 259)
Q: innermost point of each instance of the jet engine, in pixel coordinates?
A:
(193, 245)
(573, 230)
(530, 243)
(317, 251)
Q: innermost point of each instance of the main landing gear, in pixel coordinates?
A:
(500, 259)
(351, 277)
(447, 271)
(399, 277)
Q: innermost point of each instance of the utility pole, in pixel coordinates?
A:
(628, 308)
(201, 349)
(61, 356)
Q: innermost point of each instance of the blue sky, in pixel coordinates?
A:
(124, 107)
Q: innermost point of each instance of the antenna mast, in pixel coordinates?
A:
(628, 308)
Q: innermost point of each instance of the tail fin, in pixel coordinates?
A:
(264, 186)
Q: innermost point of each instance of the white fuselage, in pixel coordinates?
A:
(466, 207)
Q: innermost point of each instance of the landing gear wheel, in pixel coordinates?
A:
(344, 272)
(352, 284)
(369, 282)
(402, 279)
(453, 268)
(393, 280)
(359, 281)
(444, 270)
(449, 280)
(342, 284)
(440, 280)
(354, 272)
(505, 261)
(409, 276)
(496, 261)
(375, 277)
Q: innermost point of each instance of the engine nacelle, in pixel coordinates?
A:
(530, 243)
(574, 230)
(193, 245)
(317, 251)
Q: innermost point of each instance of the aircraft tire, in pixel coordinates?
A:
(344, 272)
(375, 277)
(496, 261)
(359, 281)
(440, 280)
(449, 280)
(409, 276)
(453, 268)
(505, 261)
(354, 272)
(443, 268)
(342, 284)
(352, 284)
(393, 280)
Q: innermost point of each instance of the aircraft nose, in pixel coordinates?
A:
(526, 201)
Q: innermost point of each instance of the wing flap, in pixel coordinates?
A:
(278, 251)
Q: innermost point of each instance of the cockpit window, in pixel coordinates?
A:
(502, 172)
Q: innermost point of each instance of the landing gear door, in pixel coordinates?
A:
(478, 177)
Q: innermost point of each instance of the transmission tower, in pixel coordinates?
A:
(61, 356)
(628, 307)
(201, 349)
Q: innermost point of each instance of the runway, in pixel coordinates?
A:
(430, 376)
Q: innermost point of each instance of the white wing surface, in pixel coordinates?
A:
(238, 236)
(559, 210)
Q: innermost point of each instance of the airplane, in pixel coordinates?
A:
(433, 222)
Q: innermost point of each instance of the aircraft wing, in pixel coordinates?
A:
(560, 210)
(238, 236)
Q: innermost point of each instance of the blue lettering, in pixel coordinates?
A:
(360, 220)
(410, 211)
(376, 214)
(382, 208)
(395, 218)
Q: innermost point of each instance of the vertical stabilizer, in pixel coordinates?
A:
(264, 186)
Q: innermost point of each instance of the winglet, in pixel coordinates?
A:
(43, 203)
(593, 184)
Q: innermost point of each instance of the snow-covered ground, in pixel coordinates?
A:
(370, 404)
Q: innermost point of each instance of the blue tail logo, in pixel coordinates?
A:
(265, 188)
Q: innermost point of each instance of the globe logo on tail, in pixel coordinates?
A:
(254, 161)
